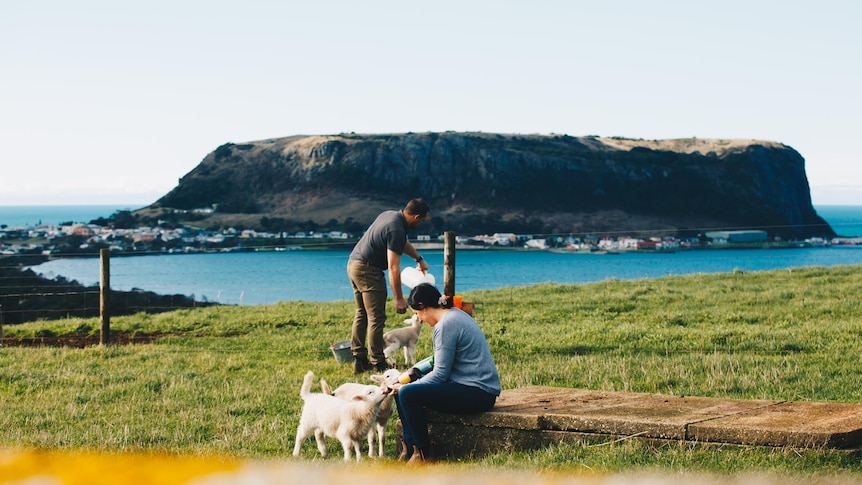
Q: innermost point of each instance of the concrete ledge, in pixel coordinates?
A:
(801, 424)
(533, 417)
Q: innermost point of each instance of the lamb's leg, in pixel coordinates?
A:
(381, 436)
(350, 443)
(321, 442)
(301, 435)
(358, 450)
(371, 443)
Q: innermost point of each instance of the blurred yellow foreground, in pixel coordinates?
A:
(91, 468)
(31, 467)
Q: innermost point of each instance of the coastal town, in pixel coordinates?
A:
(89, 238)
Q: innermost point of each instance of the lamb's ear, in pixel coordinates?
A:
(358, 398)
(377, 378)
(325, 387)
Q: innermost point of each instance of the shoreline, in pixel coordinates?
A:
(266, 277)
(41, 258)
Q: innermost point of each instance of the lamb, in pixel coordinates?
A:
(347, 420)
(405, 337)
(378, 430)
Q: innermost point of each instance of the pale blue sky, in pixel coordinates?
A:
(113, 102)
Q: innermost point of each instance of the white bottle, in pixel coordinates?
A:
(411, 276)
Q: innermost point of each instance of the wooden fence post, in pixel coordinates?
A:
(105, 296)
(449, 264)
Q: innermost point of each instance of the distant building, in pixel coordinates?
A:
(536, 244)
(728, 237)
(629, 243)
(504, 238)
(648, 245)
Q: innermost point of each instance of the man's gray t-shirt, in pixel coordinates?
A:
(388, 231)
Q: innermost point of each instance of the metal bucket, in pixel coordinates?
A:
(341, 351)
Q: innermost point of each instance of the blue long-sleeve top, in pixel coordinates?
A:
(462, 355)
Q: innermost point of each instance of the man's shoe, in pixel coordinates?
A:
(380, 366)
(360, 365)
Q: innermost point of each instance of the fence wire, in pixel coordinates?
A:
(159, 282)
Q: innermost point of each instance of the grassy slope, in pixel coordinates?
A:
(226, 380)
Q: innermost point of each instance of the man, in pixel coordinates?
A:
(380, 249)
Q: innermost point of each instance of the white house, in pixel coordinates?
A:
(737, 236)
(503, 238)
(536, 244)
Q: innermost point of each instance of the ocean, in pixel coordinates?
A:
(846, 220)
(33, 215)
(269, 277)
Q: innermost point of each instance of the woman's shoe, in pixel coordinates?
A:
(406, 451)
(419, 456)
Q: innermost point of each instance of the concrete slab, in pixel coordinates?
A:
(531, 417)
(611, 413)
(527, 408)
(649, 415)
(802, 424)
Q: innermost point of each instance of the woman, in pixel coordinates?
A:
(464, 379)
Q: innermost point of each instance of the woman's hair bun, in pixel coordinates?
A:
(426, 295)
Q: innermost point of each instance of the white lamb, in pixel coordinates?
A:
(347, 420)
(404, 337)
(376, 432)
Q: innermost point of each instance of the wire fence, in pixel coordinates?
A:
(164, 282)
(27, 296)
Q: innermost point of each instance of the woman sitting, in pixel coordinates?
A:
(464, 379)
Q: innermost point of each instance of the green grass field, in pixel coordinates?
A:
(225, 380)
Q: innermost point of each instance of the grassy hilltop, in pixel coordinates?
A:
(225, 380)
(492, 182)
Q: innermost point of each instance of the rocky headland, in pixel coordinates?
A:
(483, 182)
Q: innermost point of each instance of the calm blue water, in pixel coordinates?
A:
(846, 220)
(33, 215)
(269, 277)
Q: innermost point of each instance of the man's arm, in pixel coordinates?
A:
(410, 251)
(394, 261)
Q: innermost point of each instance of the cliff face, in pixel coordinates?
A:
(477, 182)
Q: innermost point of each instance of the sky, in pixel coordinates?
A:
(107, 102)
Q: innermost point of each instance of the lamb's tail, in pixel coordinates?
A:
(324, 386)
(306, 385)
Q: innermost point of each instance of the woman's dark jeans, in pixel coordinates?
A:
(414, 399)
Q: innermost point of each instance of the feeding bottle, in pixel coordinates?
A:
(418, 370)
(411, 277)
